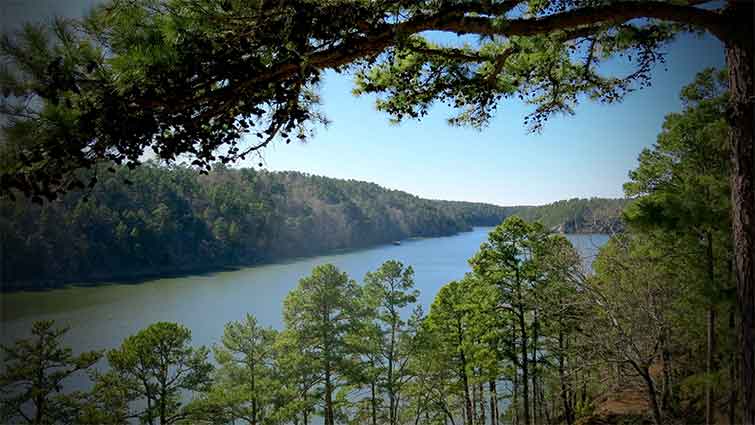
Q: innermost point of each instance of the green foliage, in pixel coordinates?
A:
(682, 181)
(584, 408)
(509, 253)
(245, 386)
(391, 340)
(447, 321)
(533, 311)
(681, 185)
(384, 342)
(320, 314)
(152, 369)
(172, 219)
(190, 79)
(661, 287)
(300, 379)
(647, 312)
(32, 378)
(594, 215)
(527, 327)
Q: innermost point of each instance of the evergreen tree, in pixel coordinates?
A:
(153, 369)
(448, 322)
(681, 190)
(32, 378)
(244, 386)
(194, 79)
(320, 313)
(390, 293)
(509, 260)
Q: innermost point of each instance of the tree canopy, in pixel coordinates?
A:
(33, 375)
(175, 220)
(186, 79)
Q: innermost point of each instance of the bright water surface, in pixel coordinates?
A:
(102, 316)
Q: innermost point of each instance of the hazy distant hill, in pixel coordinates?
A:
(594, 215)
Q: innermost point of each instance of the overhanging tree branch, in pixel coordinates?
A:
(571, 24)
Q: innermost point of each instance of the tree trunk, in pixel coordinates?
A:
(481, 395)
(574, 388)
(583, 392)
(733, 367)
(568, 416)
(419, 410)
(475, 400)
(391, 390)
(666, 370)
(163, 401)
(465, 378)
(710, 364)
(545, 411)
(525, 366)
(39, 398)
(493, 403)
(739, 59)
(536, 402)
(150, 419)
(515, 387)
(467, 396)
(329, 417)
(525, 370)
(40, 405)
(254, 395)
(374, 402)
(652, 396)
(515, 399)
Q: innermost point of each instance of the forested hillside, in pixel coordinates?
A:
(155, 220)
(657, 328)
(594, 215)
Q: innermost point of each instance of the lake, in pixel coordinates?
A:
(102, 316)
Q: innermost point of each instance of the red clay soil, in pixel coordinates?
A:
(624, 406)
(628, 401)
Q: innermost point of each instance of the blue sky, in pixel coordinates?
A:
(585, 155)
(588, 154)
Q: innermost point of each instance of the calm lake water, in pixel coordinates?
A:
(102, 316)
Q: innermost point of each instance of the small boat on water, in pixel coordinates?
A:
(397, 242)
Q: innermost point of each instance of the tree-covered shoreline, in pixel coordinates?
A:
(198, 80)
(530, 336)
(158, 221)
(576, 215)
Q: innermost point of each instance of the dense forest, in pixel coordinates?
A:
(594, 215)
(530, 336)
(166, 219)
(157, 219)
(659, 330)
(507, 344)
